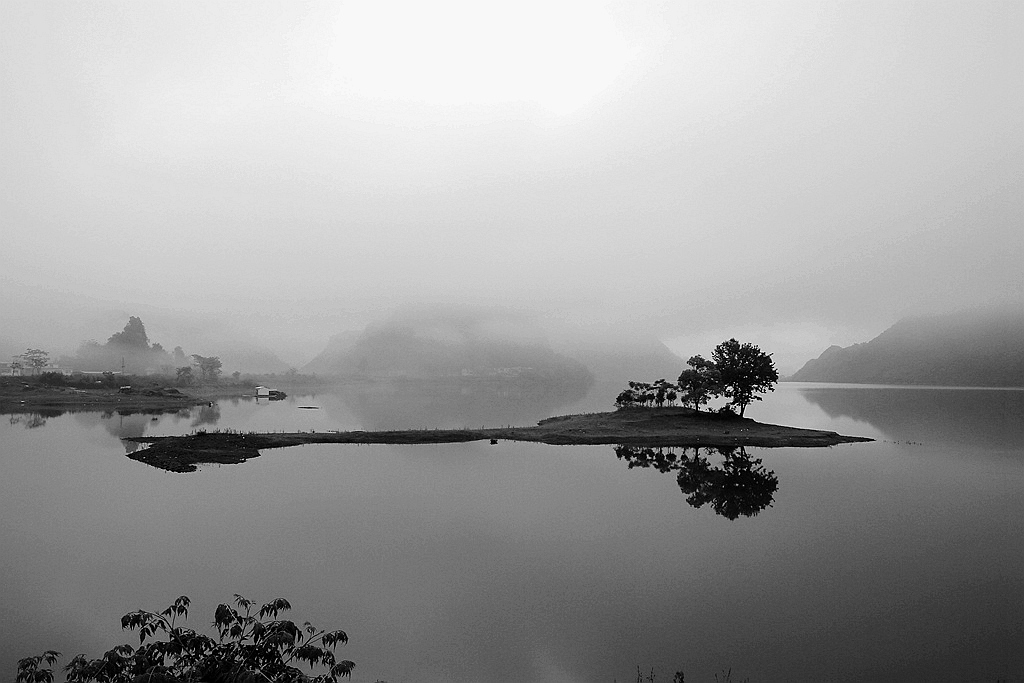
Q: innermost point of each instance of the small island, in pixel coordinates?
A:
(667, 426)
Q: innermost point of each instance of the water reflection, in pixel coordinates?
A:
(206, 415)
(991, 418)
(739, 486)
(33, 420)
(449, 403)
(122, 423)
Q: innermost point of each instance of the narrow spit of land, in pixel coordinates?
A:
(23, 397)
(634, 426)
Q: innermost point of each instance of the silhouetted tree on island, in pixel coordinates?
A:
(664, 392)
(737, 371)
(746, 372)
(638, 393)
(700, 382)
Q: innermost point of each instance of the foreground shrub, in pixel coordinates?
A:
(248, 648)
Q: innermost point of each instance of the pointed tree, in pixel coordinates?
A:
(746, 372)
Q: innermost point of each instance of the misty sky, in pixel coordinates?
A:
(797, 174)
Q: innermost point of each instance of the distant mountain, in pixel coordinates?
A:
(975, 348)
(440, 343)
(618, 360)
(333, 356)
(131, 350)
(248, 357)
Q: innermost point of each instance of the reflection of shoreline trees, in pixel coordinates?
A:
(206, 415)
(119, 423)
(739, 486)
(30, 420)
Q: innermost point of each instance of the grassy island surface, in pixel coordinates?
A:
(636, 426)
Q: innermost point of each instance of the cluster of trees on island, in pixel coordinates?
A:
(738, 372)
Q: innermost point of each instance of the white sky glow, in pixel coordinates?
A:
(812, 169)
(557, 53)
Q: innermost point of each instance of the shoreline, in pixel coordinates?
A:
(674, 426)
(144, 399)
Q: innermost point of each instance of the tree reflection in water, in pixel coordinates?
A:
(739, 486)
(207, 415)
(29, 420)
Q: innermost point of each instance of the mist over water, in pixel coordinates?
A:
(528, 562)
(482, 214)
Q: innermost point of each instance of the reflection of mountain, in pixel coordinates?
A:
(135, 423)
(980, 349)
(990, 418)
(739, 486)
(121, 423)
(470, 402)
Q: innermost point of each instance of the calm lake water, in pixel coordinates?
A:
(897, 560)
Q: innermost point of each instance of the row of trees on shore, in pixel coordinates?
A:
(738, 372)
(129, 351)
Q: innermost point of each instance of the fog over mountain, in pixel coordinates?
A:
(446, 341)
(442, 343)
(970, 348)
(796, 175)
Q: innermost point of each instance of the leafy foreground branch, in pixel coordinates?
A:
(248, 649)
